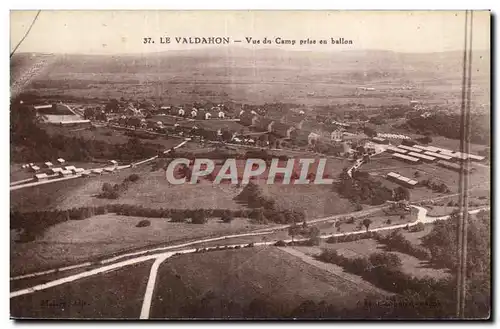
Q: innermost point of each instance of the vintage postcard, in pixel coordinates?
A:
(250, 165)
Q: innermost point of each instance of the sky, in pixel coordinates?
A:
(120, 32)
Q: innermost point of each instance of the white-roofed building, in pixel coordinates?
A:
(48, 164)
(402, 180)
(421, 147)
(394, 149)
(78, 170)
(56, 170)
(410, 148)
(406, 158)
(70, 168)
(424, 157)
(65, 173)
(476, 157)
(438, 155)
(41, 177)
(34, 168)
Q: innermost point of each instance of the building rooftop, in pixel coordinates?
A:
(422, 156)
(410, 148)
(405, 157)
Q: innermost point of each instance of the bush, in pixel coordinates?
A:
(280, 243)
(133, 178)
(199, 217)
(178, 217)
(385, 259)
(143, 223)
(419, 227)
(397, 242)
(227, 218)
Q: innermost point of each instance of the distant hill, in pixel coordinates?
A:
(328, 74)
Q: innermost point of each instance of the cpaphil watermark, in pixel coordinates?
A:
(235, 171)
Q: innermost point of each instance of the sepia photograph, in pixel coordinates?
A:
(250, 165)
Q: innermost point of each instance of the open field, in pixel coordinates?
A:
(85, 298)
(109, 135)
(243, 275)
(315, 200)
(153, 190)
(74, 241)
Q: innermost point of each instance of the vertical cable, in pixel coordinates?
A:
(464, 168)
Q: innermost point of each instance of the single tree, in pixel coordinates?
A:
(366, 223)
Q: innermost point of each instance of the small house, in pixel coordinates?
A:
(48, 164)
(110, 169)
(34, 168)
(77, 171)
(41, 177)
(55, 171)
(65, 173)
(70, 168)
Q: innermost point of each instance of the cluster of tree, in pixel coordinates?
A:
(377, 120)
(401, 193)
(370, 132)
(352, 237)
(427, 139)
(109, 191)
(264, 215)
(304, 230)
(442, 242)
(253, 196)
(419, 227)
(140, 134)
(448, 125)
(362, 189)
(384, 271)
(94, 113)
(328, 149)
(32, 224)
(395, 241)
(408, 142)
(435, 186)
